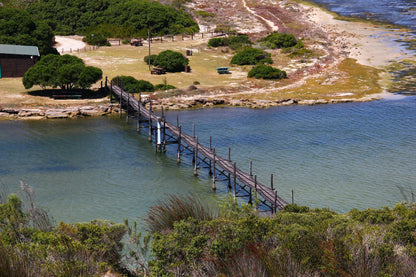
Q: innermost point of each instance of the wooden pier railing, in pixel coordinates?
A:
(243, 184)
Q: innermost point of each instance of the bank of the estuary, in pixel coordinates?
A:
(70, 111)
(353, 65)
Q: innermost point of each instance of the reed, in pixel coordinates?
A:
(176, 208)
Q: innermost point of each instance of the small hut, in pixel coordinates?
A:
(15, 60)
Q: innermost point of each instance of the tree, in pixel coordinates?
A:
(130, 84)
(17, 27)
(279, 40)
(251, 56)
(66, 72)
(171, 61)
(263, 71)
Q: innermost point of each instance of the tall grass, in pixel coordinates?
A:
(176, 208)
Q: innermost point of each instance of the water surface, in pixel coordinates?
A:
(342, 156)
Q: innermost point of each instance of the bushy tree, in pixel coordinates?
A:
(130, 84)
(152, 59)
(251, 56)
(96, 39)
(279, 40)
(113, 17)
(17, 27)
(172, 61)
(65, 71)
(263, 71)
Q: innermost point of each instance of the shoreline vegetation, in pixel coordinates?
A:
(189, 237)
(351, 61)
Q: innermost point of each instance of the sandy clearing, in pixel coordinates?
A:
(66, 44)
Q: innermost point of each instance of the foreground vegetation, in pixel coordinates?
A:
(191, 238)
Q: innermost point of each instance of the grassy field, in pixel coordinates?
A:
(128, 60)
(346, 80)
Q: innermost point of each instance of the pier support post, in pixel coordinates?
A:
(179, 145)
(210, 148)
(214, 187)
(196, 158)
(275, 202)
(121, 97)
(235, 179)
(250, 197)
(150, 122)
(111, 92)
(127, 107)
(255, 191)
(193, 149)
(251, 169)
(271, 181)
(293, 197)
(139, 114)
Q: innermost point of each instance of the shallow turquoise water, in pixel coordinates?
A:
(341, 156)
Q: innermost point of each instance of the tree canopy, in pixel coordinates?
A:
(115, 18)
(17, 27)
(251, 56)
(263, 71)
(279, 40)
(170, 60)
(65, 71)
(131, 84)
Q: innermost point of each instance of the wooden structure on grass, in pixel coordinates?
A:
(164, 133)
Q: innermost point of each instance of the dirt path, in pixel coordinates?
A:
(66, 44)
(271, 24)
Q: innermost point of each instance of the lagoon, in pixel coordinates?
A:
(341, 156)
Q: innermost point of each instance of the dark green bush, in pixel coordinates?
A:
(96, 39)
(130, 84)
(152, 59)
(164, 87)
(251, 56)
(266, 72)
(171, 61)
(120, 18)
(233, 42)
(279, 40)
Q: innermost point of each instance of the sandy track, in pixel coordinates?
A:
(66, 44)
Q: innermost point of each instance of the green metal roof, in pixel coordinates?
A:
(19, 50)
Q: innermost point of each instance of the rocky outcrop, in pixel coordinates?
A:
(57, 113)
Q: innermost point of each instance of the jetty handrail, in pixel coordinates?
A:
(228, 166)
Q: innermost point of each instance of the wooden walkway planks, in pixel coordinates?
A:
(268, 194)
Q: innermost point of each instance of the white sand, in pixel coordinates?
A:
(66, 44)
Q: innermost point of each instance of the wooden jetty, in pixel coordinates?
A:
(241, 183)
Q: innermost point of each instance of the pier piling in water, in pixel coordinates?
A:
(241, 183)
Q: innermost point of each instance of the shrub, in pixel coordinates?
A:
(164, 87)
(96, 39)
(130, 84)
(251, 56)
(233, 42)
(266, 72)
(171, 61)
(152, 59)
(279, 40)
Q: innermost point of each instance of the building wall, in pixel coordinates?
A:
(15, 65)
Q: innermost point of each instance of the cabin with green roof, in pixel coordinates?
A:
(15, 60)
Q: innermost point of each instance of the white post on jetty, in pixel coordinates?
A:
(159, 135)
